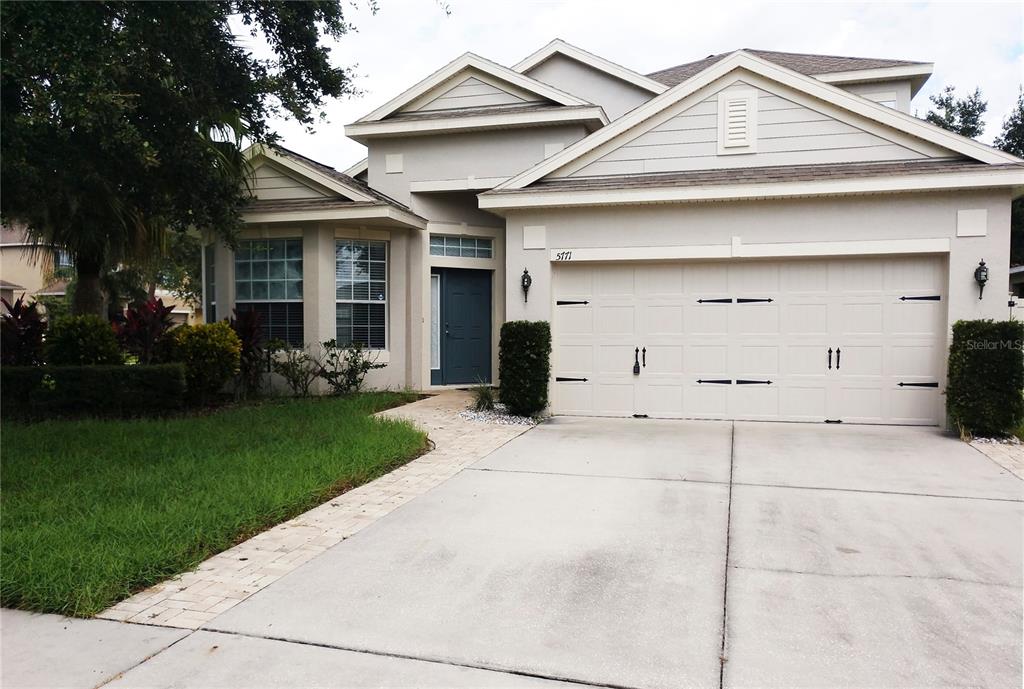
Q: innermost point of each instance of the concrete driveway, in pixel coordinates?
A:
(641, 553)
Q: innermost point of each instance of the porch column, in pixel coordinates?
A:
(318, 310)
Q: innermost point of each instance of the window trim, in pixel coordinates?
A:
(387, 290)
(268, 299)
(461, 238)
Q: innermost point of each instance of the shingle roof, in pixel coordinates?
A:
(306, 204)
(757, 175)
(798, 62)
(343, 178)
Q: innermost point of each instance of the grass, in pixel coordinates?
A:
(95, 510)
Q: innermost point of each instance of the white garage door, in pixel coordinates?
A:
(851, 340)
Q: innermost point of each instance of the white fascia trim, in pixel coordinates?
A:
(873, 185)
(880, 74)
(592, 114)
(464, 184)
(465, 61)
(591, 60)
(395, 215)
(877, 247)
(311, 173)
(359, 168)
(801, 82)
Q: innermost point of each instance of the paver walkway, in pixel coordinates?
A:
(217, 585)
(1010, 457)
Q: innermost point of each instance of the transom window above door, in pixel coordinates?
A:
(457, 245)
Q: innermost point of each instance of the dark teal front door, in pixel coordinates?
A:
(465, 327)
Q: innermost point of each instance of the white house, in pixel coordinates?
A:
(755, 235)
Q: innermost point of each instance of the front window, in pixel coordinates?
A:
(361, 291)
(465, 247)
(268, 279)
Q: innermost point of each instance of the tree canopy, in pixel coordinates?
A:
(121, 122)
(959, 115)
(1011, 140)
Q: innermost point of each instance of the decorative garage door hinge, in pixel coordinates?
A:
(560, 379)
(569, 303)
(727, 300)
(742, 300)
(918, 385)
(716, 382)
(753, 382)
(932, 297)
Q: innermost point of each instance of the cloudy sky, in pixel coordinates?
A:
(972, 44)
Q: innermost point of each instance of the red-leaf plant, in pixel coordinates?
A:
(21, 334)
(145, 324)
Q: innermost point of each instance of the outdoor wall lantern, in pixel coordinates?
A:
(981, 277)
(525, 282)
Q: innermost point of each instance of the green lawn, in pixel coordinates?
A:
(93, 510)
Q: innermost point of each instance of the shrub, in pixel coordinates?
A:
(483, 397)
(297, 366)
(248, 325)
(985, 393)
(39, 393)
(211, 354)
(143, 328)
(524, 365)
(21, 334)
(82, 341)
(345, 368)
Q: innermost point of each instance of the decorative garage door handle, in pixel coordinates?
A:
(829, 358)
(643, 353)
(636, 362)
(918, 385)
(716, 382)
(560, 379)
(741, 300)
(715, 301)
(753, 382)
(839, 353)
(569, 303)
(932, 297)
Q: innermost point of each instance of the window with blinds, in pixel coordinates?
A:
(361, 291)
(268, 280)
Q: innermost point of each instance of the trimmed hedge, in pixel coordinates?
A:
(524, 366)
(211, 353)
(985, 395)
(82, 340)
(38, 393)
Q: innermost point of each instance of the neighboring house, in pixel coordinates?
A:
(761, 235)
(30, 269)
(29, 272)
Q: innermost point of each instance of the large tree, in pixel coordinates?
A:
(1011, 140)
(960, 115)
(121, 122)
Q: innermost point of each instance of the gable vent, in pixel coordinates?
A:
(737, 122)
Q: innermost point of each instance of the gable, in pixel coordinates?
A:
(785, 127)
(474, 92)
(271, 182)
(615, 95)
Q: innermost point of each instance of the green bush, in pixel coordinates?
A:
(985, 394)
(524, 365)
(211, 353)
(37, 394)
(82, 341)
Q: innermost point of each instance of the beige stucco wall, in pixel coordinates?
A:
(495, 153)
(318, 276)
(20, 267)
(908, 216)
